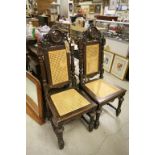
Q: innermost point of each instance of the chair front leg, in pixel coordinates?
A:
(92, 120)
(98, 113)
(59, 132)
(118, 110)
(48, 112)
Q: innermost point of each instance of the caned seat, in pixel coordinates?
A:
(102, 90)
(68, 101)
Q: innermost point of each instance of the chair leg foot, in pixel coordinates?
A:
(48, 112)
(118, 110)
(91, 124)
(61, 144)
(97, 123)
(59, 133)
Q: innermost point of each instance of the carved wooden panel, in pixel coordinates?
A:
(92, 59)
(58, 66)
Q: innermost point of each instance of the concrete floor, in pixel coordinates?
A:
(111, 138)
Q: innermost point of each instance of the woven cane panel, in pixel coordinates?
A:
(92, 58)
(68, 101)
(102, 89)
(58, 66)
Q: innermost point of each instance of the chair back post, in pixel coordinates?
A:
(42, 67)
(72, 66)
(102, 43)
(81, 44)
(92, 35)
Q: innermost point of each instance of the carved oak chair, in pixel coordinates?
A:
(63, 100)
(91, 47)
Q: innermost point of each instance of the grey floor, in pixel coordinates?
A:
(111, 138)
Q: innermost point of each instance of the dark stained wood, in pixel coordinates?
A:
(72, 67)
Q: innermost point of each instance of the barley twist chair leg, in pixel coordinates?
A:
(118, 110)
(92, 120)
(54, 128)
(48, 112)
(98, 113)
(59, 132)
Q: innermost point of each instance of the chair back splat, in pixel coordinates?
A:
(56, 65)
(91, 48)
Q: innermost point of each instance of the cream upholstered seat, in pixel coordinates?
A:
(68, 101)
(101, 88)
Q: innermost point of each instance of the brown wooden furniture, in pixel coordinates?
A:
(64, 101)
(34, 101)
(91, 48)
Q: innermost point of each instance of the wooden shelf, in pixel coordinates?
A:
(106, 21)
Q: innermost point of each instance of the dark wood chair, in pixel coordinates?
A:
(91, 47)
(63, 100)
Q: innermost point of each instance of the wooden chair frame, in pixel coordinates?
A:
(57, 121)
(90, 37)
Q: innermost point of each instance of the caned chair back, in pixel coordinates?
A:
(57, 64)
(91, 53)
(57, 60)
(91, 58)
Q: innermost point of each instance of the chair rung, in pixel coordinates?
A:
(85, 119)
(112, 106)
